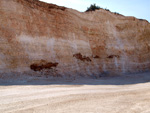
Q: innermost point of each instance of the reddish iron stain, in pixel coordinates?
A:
(41, 66)
(96, 56)
(82, 58)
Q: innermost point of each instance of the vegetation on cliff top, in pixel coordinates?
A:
(93, 7)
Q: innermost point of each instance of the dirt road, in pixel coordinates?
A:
(75, 98)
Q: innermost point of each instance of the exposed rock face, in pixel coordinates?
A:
(75, 43)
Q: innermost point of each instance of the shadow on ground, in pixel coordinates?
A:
(119, 80)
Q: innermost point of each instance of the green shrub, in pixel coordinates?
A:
(93, 7)
(107, 9)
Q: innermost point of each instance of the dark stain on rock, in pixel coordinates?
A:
(96, 57)
(43, 65)
(82, 58)
(113, 56)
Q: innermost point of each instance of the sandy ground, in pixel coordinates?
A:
(93, 96)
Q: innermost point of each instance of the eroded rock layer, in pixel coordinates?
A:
(36, 36)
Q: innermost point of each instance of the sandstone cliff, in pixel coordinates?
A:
(35, 37)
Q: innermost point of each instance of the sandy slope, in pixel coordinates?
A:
(133, 98)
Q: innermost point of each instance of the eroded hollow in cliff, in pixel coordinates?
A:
(43, 65)
(81, 57)
(113, 56)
